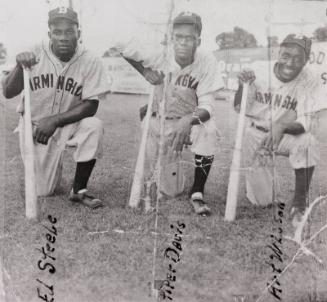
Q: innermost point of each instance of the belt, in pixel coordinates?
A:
(154, 114)
(260, 128)
(172, 117)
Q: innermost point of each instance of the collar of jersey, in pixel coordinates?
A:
(54, 58)
(175, 67)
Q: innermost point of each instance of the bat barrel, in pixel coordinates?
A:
(31, 207)
(137, 184)
(234, 176)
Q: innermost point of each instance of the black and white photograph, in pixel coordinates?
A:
(164, 150)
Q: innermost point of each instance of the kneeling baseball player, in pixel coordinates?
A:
(280, 115)
(192, 79)
(65, 84)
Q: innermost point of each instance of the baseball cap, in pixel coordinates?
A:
(63, 12)
(299, 40)
(189, 18)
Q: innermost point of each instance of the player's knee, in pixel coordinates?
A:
(305, 152)
(309, 141)
(307, 144)
(92, 123)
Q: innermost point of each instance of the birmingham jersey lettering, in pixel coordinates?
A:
(56, 86)
(272, 101)
(187, 81)
(46, 81)
(187, 84)
(277, 100)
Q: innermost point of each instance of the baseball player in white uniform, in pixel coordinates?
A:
(65, 84)
(280, 111)
(192, 78)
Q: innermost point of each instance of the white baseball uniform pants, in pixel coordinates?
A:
(204, 140)
(302, 149)
(85, 136)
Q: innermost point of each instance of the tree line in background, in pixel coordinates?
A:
(320, 34)
(240, 38)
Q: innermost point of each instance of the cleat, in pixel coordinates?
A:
(199, 206)
(296, 216)
(85, 198)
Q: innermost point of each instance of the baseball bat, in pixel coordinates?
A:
(234, 175)
(31, 207)
(137, 184)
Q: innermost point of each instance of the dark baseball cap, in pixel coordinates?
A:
(299, 40)
(189, 18)
(63, 12)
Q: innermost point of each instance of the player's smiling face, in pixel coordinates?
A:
(64, 36)
(291, 61)
(185, 42)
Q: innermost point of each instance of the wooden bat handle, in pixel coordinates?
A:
(234, 176)
(30, 181)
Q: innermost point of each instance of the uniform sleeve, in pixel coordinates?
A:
(96, 80)
(321, 98)
(305, 120)
(211, 79)
(207, 102)
(151, 57)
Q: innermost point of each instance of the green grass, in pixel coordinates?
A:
(219, 259)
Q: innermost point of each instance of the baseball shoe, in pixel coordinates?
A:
(199, 205)
(85, 198)
(296, 216)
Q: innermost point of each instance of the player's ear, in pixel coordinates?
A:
(198, 42)
(78, 33)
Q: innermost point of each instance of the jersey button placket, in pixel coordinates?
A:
(59, 94)
(56, 103)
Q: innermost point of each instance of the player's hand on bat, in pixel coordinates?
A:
(26, 59)
(273, 138)
(246, 76)
(154, 77)
(181, 135)
(278, 132)
(267, 142)
(44, 129)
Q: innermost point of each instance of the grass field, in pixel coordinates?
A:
(107, 254)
